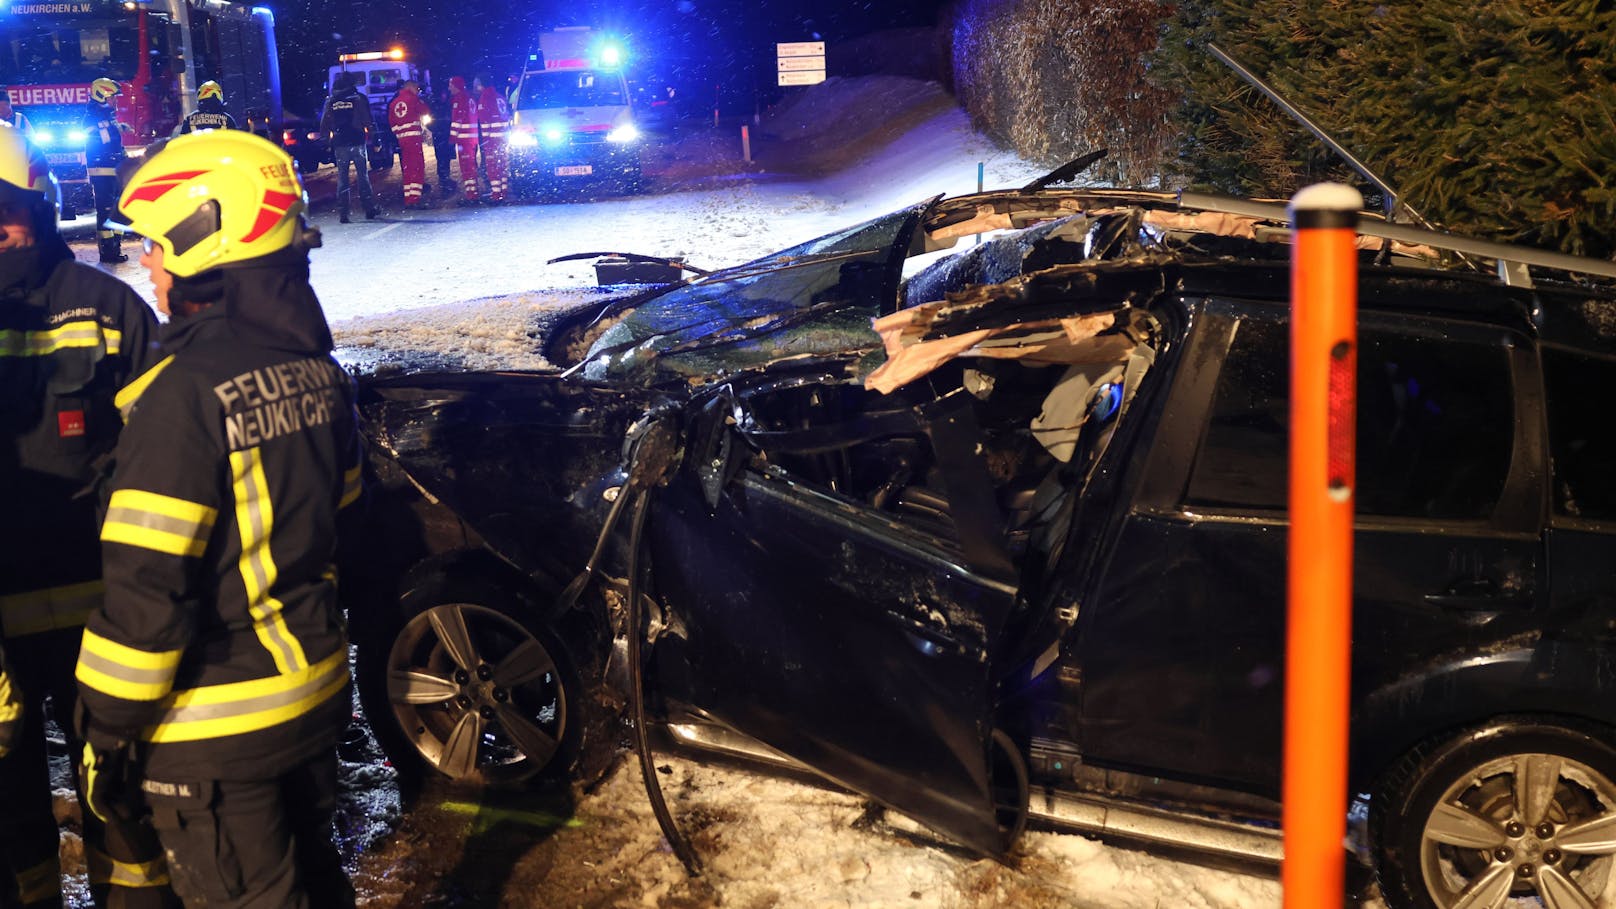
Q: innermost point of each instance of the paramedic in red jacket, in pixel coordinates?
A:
(405, 114)
(463, 132)
(493, 120)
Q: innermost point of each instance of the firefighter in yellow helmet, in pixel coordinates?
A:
(103, 152)
(217, 666)
(210, 112)
(70, 337)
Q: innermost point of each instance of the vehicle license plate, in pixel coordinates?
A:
(573, 170)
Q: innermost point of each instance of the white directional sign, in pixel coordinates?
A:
(800, 62)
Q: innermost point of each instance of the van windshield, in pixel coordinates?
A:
(571, 88)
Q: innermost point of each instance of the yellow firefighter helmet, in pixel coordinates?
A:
(23, 171)
(216, 198)
(209, 89)
(103, 90)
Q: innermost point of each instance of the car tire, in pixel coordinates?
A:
(438, 711)
(1451, 823)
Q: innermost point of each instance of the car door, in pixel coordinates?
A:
(850, 637)
(1182, 644)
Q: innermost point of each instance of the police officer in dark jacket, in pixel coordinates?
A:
(346, 123)
(215, 674)
(209, 113)
(103, 152)
(71, 337)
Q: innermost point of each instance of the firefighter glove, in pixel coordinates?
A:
(106, 778)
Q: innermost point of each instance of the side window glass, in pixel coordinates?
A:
(1435, 425)
(1582, 436)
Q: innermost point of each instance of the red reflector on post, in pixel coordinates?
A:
(1343, 403)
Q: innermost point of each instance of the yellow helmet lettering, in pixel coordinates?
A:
(215, 198)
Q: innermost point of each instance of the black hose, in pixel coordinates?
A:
(642, 738)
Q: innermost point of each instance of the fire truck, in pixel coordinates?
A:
(158, 50)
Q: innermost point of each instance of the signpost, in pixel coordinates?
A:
(800, 62)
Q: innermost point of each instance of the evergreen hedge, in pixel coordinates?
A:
(1490, 117)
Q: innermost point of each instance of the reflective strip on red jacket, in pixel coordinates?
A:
(404, 115)
(462, 117)
(493, 114)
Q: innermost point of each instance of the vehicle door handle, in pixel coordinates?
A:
(1479, 596)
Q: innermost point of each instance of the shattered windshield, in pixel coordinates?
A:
(816, 298)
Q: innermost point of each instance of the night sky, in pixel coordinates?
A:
(712, 45)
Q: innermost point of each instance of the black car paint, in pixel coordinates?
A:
(884, 655)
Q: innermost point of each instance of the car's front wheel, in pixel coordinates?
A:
(1521, 809)
(466, 686)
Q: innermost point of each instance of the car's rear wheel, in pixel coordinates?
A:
(1521, 809)
(465, 685)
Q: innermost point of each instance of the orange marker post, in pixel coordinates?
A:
(1324, 366)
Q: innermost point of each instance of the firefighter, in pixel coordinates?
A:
(103, 152)
(209, 113)
(70, 337)
(215, 673)
(463, 132)
(493, 119)
(405, 114)
(11, 116)
(347, 124)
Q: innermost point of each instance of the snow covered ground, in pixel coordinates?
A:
(466, 286)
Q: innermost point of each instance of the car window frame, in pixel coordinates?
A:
(1557, 519)
(1521, 501)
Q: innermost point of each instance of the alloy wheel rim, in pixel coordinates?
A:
(476, 694)
(1521, 826)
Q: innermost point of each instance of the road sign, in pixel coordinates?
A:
(802, 77)
(800, 62)
(801, 49)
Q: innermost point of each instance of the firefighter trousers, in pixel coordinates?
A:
(125, 861)
(104, 185)
(494, 163)
(412, 161)
(253, 844)
(467, 155)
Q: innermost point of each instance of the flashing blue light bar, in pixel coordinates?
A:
(611, 55)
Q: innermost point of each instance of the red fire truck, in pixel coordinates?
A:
(158, 50)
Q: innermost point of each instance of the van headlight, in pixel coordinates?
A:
(624, 134)
(523, 140)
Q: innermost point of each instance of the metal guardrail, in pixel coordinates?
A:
(1506, 255)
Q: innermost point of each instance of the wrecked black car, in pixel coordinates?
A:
(999, 531)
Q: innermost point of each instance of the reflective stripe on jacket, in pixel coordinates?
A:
(493, 114)
(221, 641)
(463, 117)
(70, 337)
(404, 115)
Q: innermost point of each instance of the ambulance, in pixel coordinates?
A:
(573, 119)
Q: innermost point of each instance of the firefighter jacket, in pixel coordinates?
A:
(493, 114)
(462, 117)
(346, 119)
(11, 708)
(220, 644)
(103, 145)
(404, 115)
(209, 114)
(70, 337)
